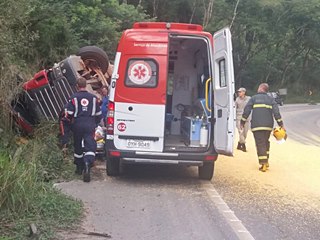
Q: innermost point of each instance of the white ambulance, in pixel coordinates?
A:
(171, 97)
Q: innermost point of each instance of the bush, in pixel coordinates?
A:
(27, 168)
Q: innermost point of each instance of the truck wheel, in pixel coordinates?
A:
(94, 56)
(113, 166)
(206, 171)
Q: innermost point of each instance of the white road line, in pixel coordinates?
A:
(239, 229)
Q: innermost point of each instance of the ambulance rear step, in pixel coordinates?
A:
(162, 161)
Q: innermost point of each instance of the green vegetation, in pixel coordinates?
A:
(27, 168)
(275, 41)
(305, 98)
(34, 35)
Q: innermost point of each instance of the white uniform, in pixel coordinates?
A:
(240, 104)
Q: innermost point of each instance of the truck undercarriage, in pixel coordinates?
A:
(42, 98)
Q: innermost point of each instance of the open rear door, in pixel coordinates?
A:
(224, 107)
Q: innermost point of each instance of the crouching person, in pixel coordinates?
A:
(86, 113)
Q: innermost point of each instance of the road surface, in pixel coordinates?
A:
(283, 203)
(302, 122)
(153, 202)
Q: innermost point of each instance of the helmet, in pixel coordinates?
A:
(280, 134)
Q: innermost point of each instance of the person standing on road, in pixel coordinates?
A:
(264, 109)
(85, 110)
(241, 102)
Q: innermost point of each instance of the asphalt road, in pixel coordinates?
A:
(283, 203)
(302, 122)
(169, 202)
(154, 202)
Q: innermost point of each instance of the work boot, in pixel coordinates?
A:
(86, 172)
(267, 164)
(263, 167)
(243, 147)
(79, 169)
(239, 146)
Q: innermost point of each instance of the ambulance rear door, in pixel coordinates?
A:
(224, 107)
(140, 95)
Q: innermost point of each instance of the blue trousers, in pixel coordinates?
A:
(84, 144)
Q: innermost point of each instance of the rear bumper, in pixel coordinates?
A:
(176, 158)
(162, 161)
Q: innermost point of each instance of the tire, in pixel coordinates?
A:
(206, 171)
(113, 166)
(96, 55)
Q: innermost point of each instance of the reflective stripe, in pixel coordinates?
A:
(70, 112)
(279, 120)
(77, 155)
(98, 113)
(261, 128)
(75, 107)
(263, 157)
(262, 106)
(93, 107)
(243, 119)
(89, 154)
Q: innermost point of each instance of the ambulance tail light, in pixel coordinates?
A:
(110, 118)
(211, 158)
(114, 153)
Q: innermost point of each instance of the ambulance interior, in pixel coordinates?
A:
(188, 105)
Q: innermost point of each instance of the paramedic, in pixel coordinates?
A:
(264, 109)
(84, 108)
(241, 102)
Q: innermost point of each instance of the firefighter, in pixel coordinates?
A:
(85, 111)
(264, 109)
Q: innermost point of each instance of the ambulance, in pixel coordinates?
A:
(171, 98)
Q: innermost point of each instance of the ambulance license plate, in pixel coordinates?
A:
(138, 144)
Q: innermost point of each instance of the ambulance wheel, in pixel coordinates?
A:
(113, 166)
(95, 57)
(206, 171)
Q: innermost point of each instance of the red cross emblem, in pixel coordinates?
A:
(139, 72)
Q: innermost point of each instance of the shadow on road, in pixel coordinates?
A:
(159, 174)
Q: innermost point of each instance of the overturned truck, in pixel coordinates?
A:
(43, 97)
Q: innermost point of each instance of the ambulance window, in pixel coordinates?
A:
(222, 73)
(142, 73)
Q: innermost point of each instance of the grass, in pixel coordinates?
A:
(28, 169)
(49, 210)
(301, 96)
(302, 99)
(29, 166)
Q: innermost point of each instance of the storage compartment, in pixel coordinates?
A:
(188, 92)
(190, 130)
